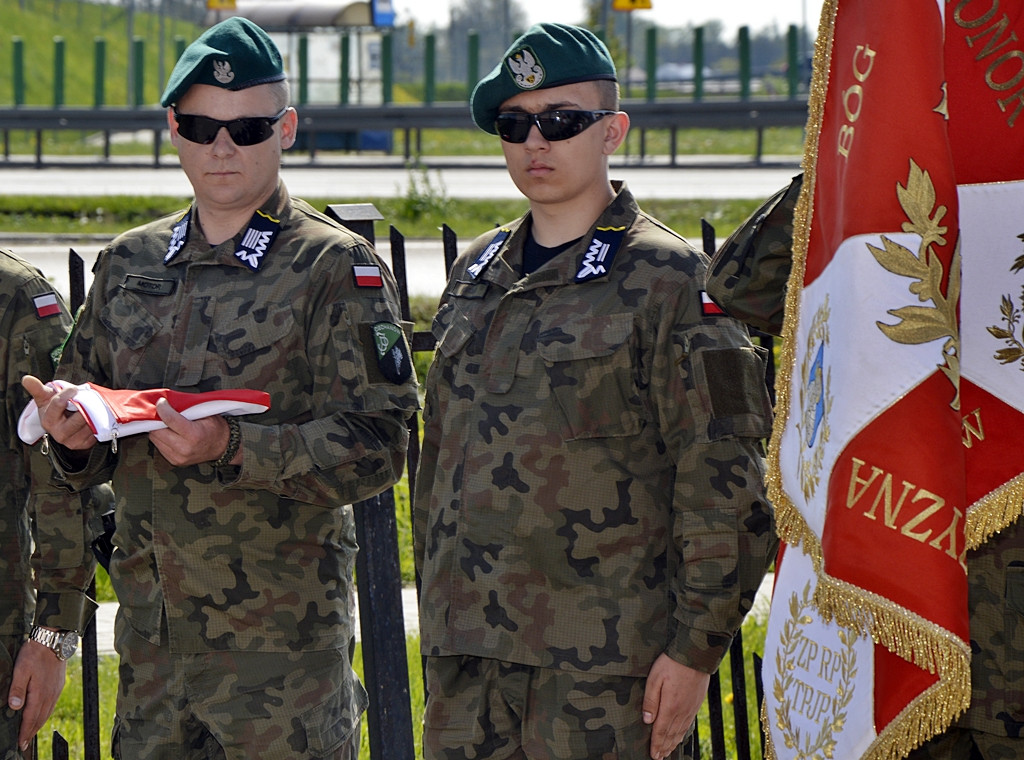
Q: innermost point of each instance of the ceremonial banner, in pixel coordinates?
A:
(896, 447)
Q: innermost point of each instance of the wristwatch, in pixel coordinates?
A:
(63, 643)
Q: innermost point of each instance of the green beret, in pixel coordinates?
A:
(548, 55)
(234, 54)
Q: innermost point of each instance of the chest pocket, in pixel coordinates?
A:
(131, 327)
(590, 369)
(251, 348)
(451, 329)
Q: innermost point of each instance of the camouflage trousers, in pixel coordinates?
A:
(963, 744)
(10, 720)
(480, 708)
(233, 705)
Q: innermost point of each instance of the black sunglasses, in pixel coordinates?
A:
(553, 125)
(249, 131)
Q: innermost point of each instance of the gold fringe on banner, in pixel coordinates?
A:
(994, 511)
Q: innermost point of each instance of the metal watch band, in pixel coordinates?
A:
(62, 643)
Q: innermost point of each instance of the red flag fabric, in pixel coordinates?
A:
(117, 413)
(900, 388)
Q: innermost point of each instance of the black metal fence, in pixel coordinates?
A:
(389, 717)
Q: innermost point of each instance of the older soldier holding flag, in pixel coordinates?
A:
(234, 545)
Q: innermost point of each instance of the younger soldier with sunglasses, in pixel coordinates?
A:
(590, 517)
(235, 540)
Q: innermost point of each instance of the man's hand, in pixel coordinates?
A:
(186, 441)
(35, 687)
(63, 425)
(673, 695)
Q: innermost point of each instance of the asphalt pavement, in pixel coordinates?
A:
(390, 176)
(366, 176)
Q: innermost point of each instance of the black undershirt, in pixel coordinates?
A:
(535, 255)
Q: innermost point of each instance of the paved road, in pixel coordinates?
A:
(369, 176)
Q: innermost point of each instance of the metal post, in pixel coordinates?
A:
(793, 60)
(344, 71)
(385, 666)
(139, 67)
(652, 64)
(99, 68)
(744, 63)
(387, 64)
(303, 69)
(472, 62)
(429, 65)
(18, 70)
(58, 71)
(698, 63)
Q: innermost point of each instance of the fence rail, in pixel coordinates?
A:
(389, 716)
(323, 120)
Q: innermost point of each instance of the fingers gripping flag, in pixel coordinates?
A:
(118, 413)
(900, 389)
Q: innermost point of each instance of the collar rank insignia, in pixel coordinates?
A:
(257, 239)
(179, 234)
(489, 253)
(393, 358)
(600, 253)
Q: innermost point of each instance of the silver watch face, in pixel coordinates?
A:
(68, 645)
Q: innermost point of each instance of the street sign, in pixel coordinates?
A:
(220, 5)
(631, 5)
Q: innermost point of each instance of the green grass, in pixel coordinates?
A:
(418, 214)
(37, 22)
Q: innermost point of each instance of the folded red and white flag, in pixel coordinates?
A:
(118, 413)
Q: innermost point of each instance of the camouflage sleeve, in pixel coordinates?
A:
(62, 559)
(354, 446)
(430, 446)
(80, 363)
(714, 413)
(748, 274)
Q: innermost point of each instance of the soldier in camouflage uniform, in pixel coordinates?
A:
(748, 273)
(235, 543)
(590, 517)
(748, 276)
(33, 324)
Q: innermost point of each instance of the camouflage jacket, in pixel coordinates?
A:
(591, 488)
(748, 273)
(257, 557)
(33, 324)
(995, 594)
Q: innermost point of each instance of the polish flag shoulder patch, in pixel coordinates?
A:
(708, 307)
(368, 276)
(46, 305)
